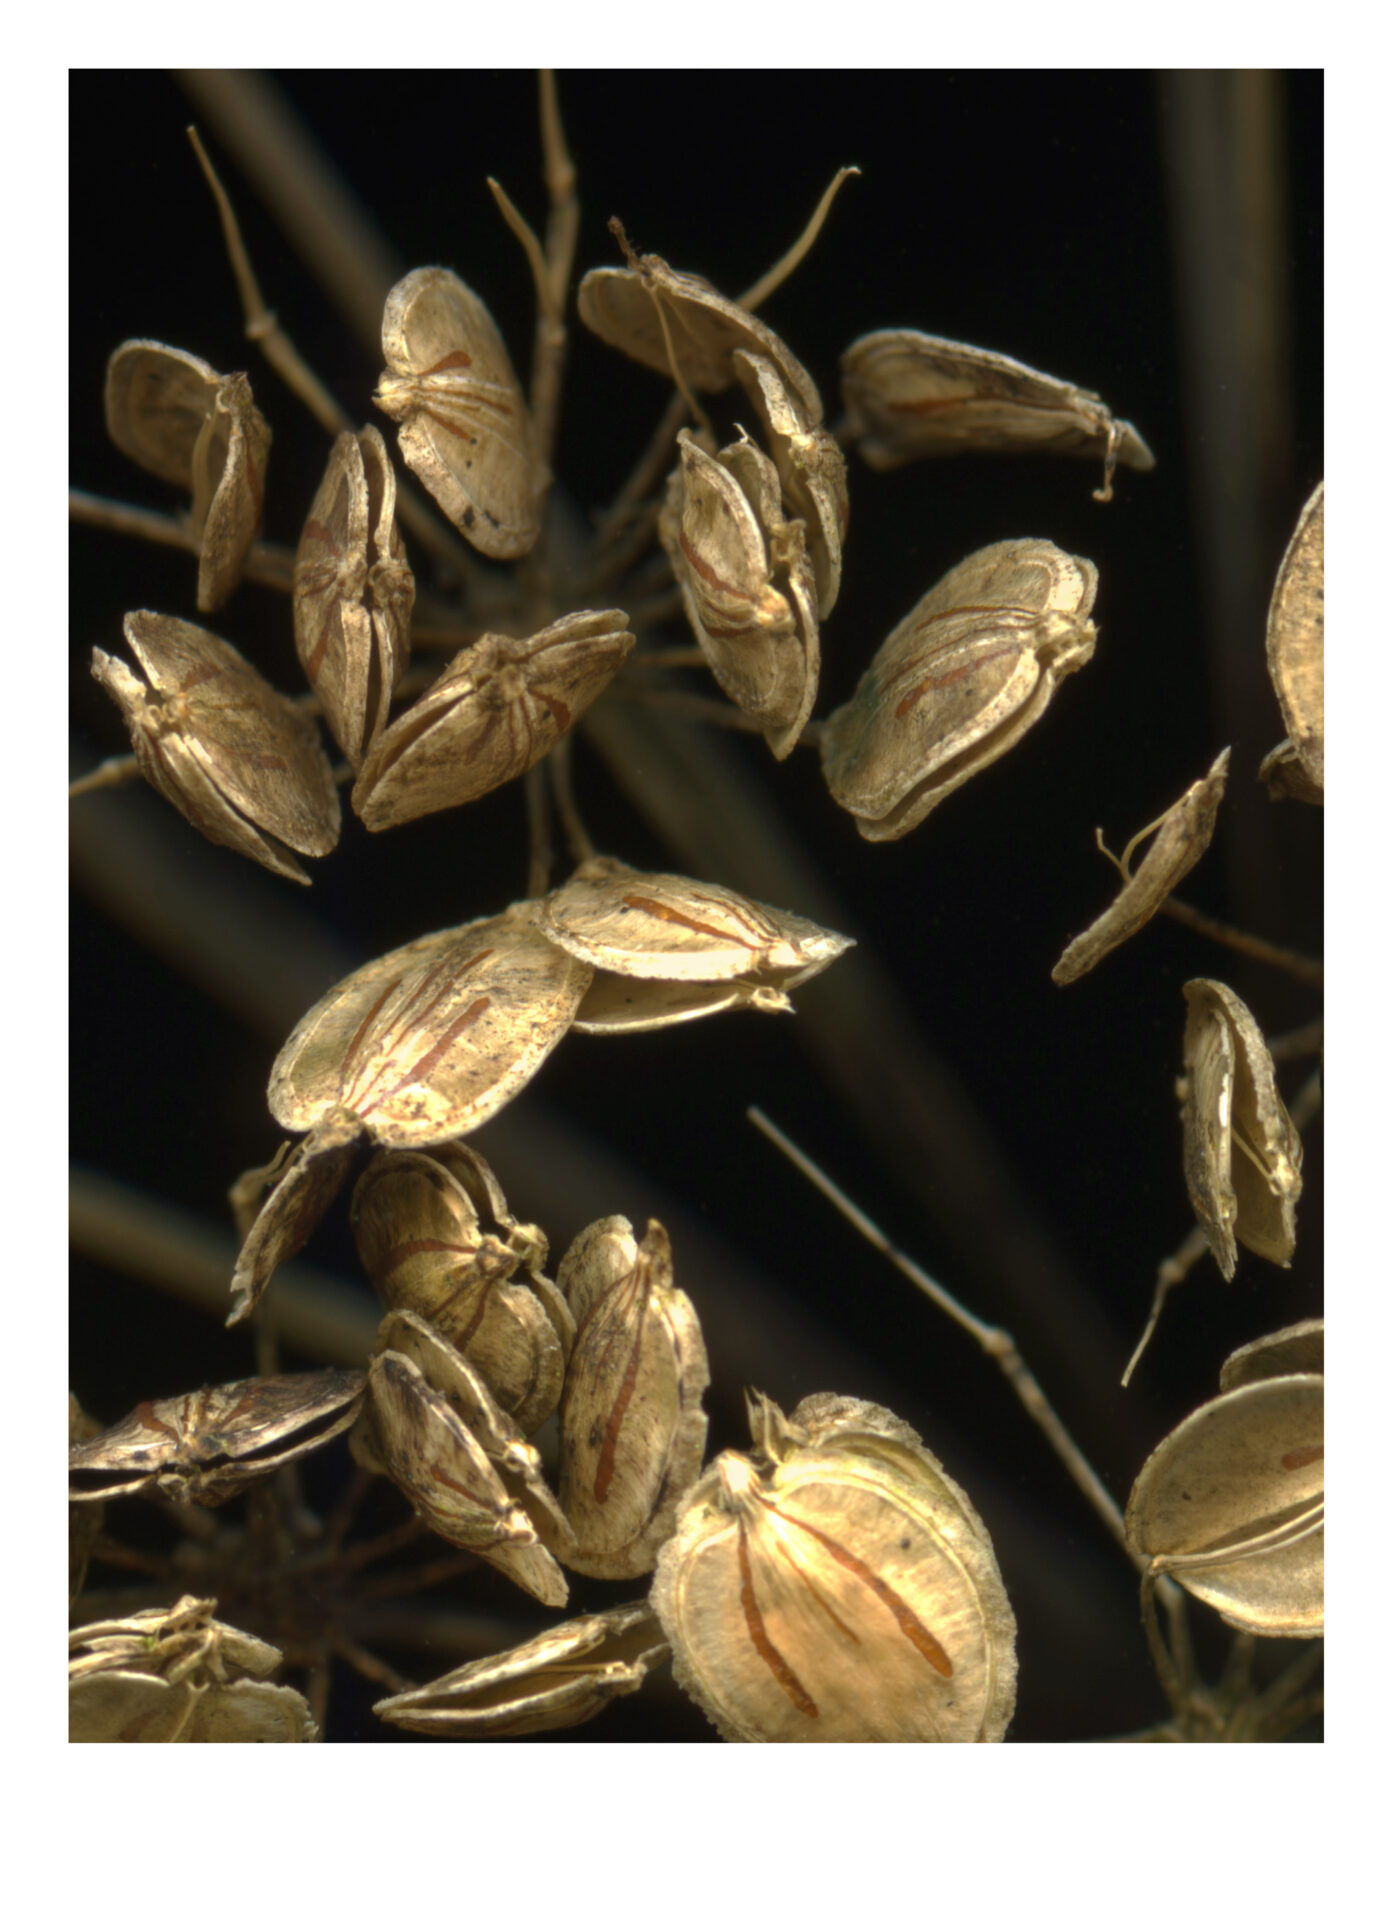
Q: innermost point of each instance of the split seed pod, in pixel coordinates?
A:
(498, 708)
(1296, 640)
(958, 682)
(465, 431)
(911, 395)
(1232, 1505)
(293, 1195)
(677, 324)
(632, 1429)
(1242, 1154)
(414, 1434)
(239, 761)
(172, 414)
(562, 1678)
(207, 1446)
(430, 1041)
(812, 470)
(667, 949)
(175, 1674)
(353, 593)
(747, 584)
(1182, 833)
(837, 1586)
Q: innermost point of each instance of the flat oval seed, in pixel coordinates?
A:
(663, 926)
(465, 431)
(965, 674)
(1182, 833)
(430, 1041)
(1296, 1349)
(498, 708)
(910, 395)
(239, 761)
(632, 1429)
(1232, 1505)
(1296, 639)
(668, 320)
(837, 1592)
(1242, 1154)
(353, 593)
(561, 1678)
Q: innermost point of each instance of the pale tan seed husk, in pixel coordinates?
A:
(617, 1004)
(229, 488)
(498, 708)
(1295, 1349)
(430, 1041)
(632, 1428)
(1282, 773)
(304, 1188)
(1182, 835)
(965, 674)
(1231, 1504)
(811, 466)
(464, 427)
(1296, 639)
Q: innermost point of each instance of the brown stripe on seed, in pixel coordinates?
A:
(764, 1646)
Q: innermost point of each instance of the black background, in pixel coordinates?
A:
(1025, 213)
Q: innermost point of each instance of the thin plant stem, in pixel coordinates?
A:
(108, 773)
(267, 564)
(994, 1341)
(578, 842)
(671, 657)
(767, 283)
(641, 482)
(1170, 1273)
(538, 831)
(626, 548)
(368, 1665)
(1299, 1043)
(712, 713)
(1307, 1103)
(658, 610)
(1310, 972)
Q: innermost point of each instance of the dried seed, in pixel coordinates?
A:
(963, 676)
(1242, 1154)
(812, 471)
(1182, 833)
(1295, 1349)
(562, 1678)
(418, 1233)
(1285, 778)
(632, 1429)
(663, 926)
(465, 431)
(498, 708)
(747, 585)
(615, 1004)
(414, 1434)
(911, 395)
(239, 761)
(432, 1040)
(301, 1191)
(1296, 640)
(837, 1586)
(677, 324)
(172, 414)
(353, 593)
(177, 1674)
(1232, 1505)
(209, 1445)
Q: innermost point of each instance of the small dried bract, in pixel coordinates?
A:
(667, 949)
(1182, 833)
(417, 1221)
(562, 1678)
(430, 1041)
(173, 415)
(910, 396)
(239, 761)
(465, 431)
(177, 1675)
(498, 708)
(413, 1433)
(1232, 1505)
(837, 1586)
(632, 1428)
(958, 682)
(353, 593)
(747, 584)
(677, 324)
(1296, 641)
(207, 1446)
(812, 469)
(294, 1193)
(1242, 1154)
